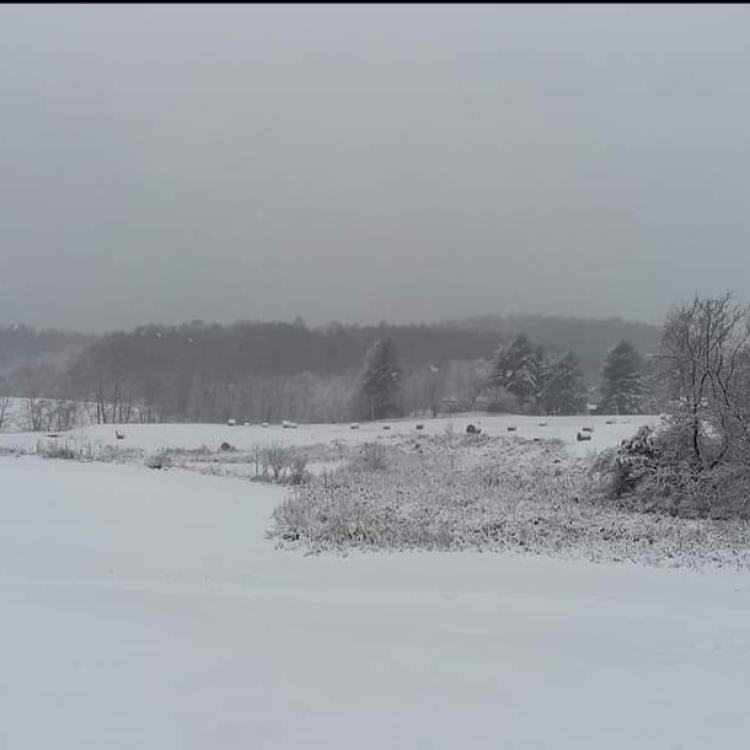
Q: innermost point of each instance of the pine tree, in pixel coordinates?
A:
(380, 382)
(562, 388)
(622, 381)
(517, 369)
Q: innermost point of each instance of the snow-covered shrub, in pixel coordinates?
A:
(55, 448)
(275, 457)
(297, 466)
(634, 460)
(619, 471)
(655, 472)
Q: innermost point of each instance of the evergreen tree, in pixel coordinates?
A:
(622, 381)
(380, 381)
(562, 388)
(517, 369)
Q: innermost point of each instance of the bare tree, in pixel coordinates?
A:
(63, 415)
(37, 414)
(703, 361)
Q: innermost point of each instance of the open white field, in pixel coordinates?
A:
(146, 609)
(153, 437)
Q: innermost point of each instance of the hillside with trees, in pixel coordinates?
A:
(21, 344)
(589, 338)
(266, 371)
(255, 371)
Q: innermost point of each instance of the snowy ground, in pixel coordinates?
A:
(191, 436)
(146, 609)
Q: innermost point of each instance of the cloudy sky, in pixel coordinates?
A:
(359, 163)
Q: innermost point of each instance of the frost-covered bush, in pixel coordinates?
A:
(297, 466)
(634, 460)
(655, 472)
(698, 463)
(275, 457)
(61, 449)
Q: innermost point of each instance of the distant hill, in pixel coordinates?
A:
(274, 371)
(184, 353)
(590, 339)
(20, 345)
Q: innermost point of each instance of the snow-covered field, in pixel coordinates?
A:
(153, 437)
(146, 609)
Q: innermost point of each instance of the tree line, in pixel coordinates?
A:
(520, 377)
(274, 371)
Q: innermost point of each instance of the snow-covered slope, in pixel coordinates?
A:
(146, 610)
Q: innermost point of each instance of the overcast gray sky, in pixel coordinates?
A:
(358, 163)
